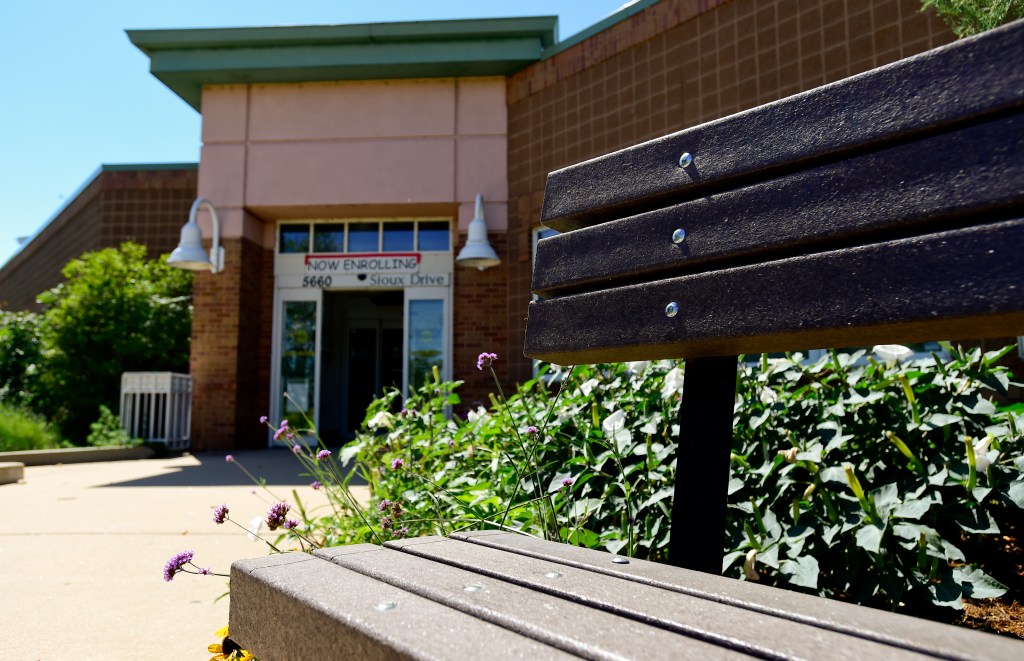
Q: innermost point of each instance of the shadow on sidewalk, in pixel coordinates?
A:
(278, 467)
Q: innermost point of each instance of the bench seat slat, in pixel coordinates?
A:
(892, 628)
(748, 631)
(969, 78)
(296, 606)
(961, 283)
(567, 625)
(905, 188)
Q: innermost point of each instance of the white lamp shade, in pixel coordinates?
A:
(190, 254)
(478, 253)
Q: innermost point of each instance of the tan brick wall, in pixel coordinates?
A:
(677, 64)
(146, 206)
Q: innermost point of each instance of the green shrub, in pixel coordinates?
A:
(22, 430)
(107, 430)
(20, 355)
(601, 471)
(117, 312)
(968, 17)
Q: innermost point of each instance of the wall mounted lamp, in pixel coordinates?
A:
(477, 253)
(190, 254)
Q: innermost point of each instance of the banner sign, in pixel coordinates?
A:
(367, 263)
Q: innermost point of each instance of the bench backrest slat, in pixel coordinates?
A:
(979, 76)
(962, 283)
(895, 191)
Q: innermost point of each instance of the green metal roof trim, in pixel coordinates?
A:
(620, 15)
(135, 167)
(185, 60)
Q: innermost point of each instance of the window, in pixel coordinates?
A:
(329, 238)
(294, 239)
(398, 237)
(364, 236)
(434, 236)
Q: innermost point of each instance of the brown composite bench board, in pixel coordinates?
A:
(884, 208)
(497, 595)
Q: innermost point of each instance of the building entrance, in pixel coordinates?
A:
(360, 354)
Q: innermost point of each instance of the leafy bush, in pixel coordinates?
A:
(107, 430)
(968, 17)
(851, 478)
(117, 312)
(22, 430)
(20, 355)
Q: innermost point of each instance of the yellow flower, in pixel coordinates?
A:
(218, 650)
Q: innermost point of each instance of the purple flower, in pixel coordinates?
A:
(532, 431)
(177, 561)
(386, 522)
(276, 515)
(397, 463)
(296, 449)
(567, 482)
(485, 360)
(384, 504)
(204, 572)
(229, 458)
(263, 419)
(322, 454)
(400, 533)
(316, 485)
(291, 524)
(220, 514)
(284, 424)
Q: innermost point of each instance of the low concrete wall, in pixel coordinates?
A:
(75, 455)
(11, 471)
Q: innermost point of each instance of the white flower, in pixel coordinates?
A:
(381, 419)
(588, 386)
(749, 563)
(476, 414)
(981, 460)
(614, 422)
(892, 353)
(768, 396)
(673, 383)
(637, 366)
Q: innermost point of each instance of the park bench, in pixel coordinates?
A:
(883, 208)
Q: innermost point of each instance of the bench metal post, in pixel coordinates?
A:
(702, 464)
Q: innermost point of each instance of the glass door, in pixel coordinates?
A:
(296, 379)
(427, 335)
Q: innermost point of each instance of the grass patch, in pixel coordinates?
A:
(22, 430)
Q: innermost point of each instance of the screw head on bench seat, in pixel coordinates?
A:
(672, 309)
(622, 561)
(685, 160)
(679, 235)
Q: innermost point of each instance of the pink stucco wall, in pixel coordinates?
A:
(347, 148)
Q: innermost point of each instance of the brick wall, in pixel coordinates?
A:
(230, 360)
(480, 308)
(677, 64)
(145, 206)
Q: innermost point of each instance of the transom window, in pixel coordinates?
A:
(365, 236)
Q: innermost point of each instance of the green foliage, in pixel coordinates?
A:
(117, 312)
(885, 532)
(22, 430)
(969, 17)
(856, 480)
(20, 355)
(107, 430)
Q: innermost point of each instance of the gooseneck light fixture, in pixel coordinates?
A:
(478, 253)
(190, 254)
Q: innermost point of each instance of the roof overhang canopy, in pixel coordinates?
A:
(186, 60)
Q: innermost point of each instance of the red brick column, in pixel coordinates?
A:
(231, 341)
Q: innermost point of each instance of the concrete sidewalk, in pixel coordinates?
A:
(82, 551)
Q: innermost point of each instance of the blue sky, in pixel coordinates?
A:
(76, 93)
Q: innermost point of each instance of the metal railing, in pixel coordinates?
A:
(157, 407)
